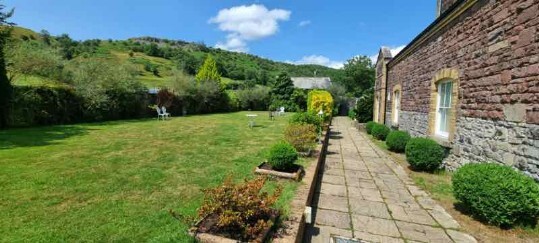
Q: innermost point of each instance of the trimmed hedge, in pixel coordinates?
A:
(396, 140)
(369, 126)
(33, 106)
(282, 156)
(380, 131)
(497, 194)
(424, 154)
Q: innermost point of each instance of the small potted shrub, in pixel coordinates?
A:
(302, 137)
(380, 131)
(497, 194)
(424, 154)
(240, 212)
(369, 126)
(396, 141)
(281, 162)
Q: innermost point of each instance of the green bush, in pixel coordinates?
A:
(369, 127)
(282, 156)
(424, 154)
(497, 194)
(364, 106)
(306, 118)
(301, 136)
(380, 131)
(396, 140)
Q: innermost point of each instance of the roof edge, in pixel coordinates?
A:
(446, 17)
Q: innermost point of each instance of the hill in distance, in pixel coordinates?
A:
(156, 58)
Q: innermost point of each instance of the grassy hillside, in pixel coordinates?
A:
(155, 59)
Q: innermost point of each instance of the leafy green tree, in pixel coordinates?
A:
(34, 58)
(152, 50)
(96, 81)
(46, 37)
(263, 77)
(190, 64)
(208, 71)
(358, 75)
(67, 46)
(6, 91)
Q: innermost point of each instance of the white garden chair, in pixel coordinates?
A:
(281, 111)
(164, 112)
(159, 114)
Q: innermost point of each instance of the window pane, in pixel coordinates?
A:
(448, 94)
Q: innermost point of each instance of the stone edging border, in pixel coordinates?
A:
(294, 226)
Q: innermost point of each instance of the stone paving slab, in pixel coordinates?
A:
(332, 218)
(363, 194)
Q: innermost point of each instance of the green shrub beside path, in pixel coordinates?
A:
(497, 194)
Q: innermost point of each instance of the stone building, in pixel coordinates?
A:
(470, 81)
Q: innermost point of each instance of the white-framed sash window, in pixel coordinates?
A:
(396, 106)
(443, 108)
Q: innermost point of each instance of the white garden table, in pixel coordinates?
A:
(251, 119)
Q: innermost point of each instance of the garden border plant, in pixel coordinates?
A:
(240, 211)
(424, 154)
(302, 137)
(281, 162)
(497, 194)
(380, 131)
(396, 140)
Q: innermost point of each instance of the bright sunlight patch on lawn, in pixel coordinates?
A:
(116, 181)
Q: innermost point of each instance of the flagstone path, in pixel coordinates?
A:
(365, 195)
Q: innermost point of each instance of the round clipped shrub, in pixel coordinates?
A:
(396, 140)
(369, 127)
(497, 194)
(282, 156)
(424, 154)
(380, 131)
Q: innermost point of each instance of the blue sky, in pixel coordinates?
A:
(299, 31)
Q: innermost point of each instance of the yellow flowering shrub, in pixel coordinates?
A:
(320, 100)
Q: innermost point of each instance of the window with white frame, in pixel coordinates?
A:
(443, 107)
(396, 106)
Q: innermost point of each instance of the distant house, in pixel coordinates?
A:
(311, 82)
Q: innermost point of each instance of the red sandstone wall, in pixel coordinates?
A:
(495, 47)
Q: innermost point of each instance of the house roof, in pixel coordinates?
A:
(311, 82)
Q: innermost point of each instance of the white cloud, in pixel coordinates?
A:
(319, 60)
(394, 52)
(304, 23)
(247, 23)
(233, 43)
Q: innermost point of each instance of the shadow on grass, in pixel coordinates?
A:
(41, 136)
(526, 223)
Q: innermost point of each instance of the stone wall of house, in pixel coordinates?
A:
(494, 45)
(415, 123)
(509, 143)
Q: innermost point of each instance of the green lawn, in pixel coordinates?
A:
(116, 181)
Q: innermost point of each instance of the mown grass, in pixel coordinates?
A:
(438, 185)
(116, 181)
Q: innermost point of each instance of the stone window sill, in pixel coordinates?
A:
(442, 141)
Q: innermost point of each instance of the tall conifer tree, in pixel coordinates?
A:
(208, 71)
